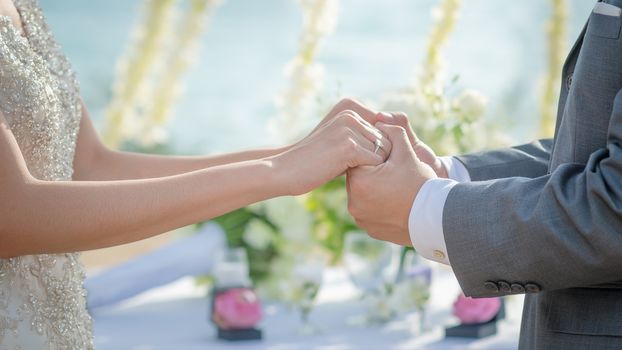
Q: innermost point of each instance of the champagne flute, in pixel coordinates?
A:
(418, 276)
(306, 282)
(366, 261)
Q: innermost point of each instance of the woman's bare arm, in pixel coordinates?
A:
(65, 216)
(95, 162)
(50, 217)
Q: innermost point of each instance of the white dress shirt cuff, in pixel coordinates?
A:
(455, 169)
(425, 222)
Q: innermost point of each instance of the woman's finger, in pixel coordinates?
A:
(357, 124)
(381, 143)
(379, 149)
(363, 153)
(386, 144)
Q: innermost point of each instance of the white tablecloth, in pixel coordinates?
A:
(175, 317)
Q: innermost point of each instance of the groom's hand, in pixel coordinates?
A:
(380, 197)
(423, 151)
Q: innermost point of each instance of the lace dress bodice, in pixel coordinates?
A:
(42, 300)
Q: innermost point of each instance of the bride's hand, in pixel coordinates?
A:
(345, 141)
(349, 104)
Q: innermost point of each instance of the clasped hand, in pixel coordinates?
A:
(381, 183)
(380, 197)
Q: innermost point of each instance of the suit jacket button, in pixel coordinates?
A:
(517, 288)
(504, 287)
(569, 81)
(532, 288)
(491, 287)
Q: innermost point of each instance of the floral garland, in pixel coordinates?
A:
(557, 36)
(426, 101)
(305, 75)
(445, 16)
(321, 218)
(449, 122)
(278, 233)
(181, 55)
(149, 73)
(133, 68)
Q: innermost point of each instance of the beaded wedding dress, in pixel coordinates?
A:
(42, 300)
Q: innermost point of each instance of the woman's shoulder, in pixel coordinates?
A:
(10, 17)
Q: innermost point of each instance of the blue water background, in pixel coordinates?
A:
(498, 48)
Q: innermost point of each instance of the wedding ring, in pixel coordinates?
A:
(378, 145)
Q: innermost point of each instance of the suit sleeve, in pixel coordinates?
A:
(529, 160)
(556, 231)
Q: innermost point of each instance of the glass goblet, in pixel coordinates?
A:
(306, 282)
(366, 261)
(418, 277)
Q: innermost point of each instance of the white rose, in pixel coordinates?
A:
(258, 235)
(309, 273)
(472, 104)
(291, 217)
(413, 103)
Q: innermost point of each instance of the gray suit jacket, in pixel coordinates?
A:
(546, 218)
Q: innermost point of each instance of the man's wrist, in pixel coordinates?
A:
(455, 169)
(425, 222)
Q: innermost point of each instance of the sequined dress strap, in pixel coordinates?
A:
(42, 299)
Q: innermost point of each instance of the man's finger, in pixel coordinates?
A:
(387, 118)
(360, 171)
(399, 139)
(401, 119)
(357, 179)
(404, 122)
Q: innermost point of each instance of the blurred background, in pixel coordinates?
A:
(498, 48)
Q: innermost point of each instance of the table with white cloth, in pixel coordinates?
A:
(176, 317)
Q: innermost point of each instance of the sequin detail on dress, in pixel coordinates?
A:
(42, 299)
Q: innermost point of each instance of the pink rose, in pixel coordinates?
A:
(473, 311)
(237, 308)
